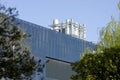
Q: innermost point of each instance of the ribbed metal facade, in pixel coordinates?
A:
(49, 43)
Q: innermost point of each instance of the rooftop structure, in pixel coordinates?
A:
(70, 27)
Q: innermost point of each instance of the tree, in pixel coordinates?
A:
(16, 61)
(98, 66)
(104, 63)
(109, 36)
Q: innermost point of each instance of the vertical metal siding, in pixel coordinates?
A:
(46, 42)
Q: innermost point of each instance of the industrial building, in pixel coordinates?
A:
(70, 27)
(56, 49)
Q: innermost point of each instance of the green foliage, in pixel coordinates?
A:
(119, 5)
(104, 64)
(109, 36)
(98, 66)
(16, 61)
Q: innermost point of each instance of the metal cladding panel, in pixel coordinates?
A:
(48, 43)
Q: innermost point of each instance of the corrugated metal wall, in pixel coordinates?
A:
(45, 42)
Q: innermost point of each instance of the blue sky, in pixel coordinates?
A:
(94, 13)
